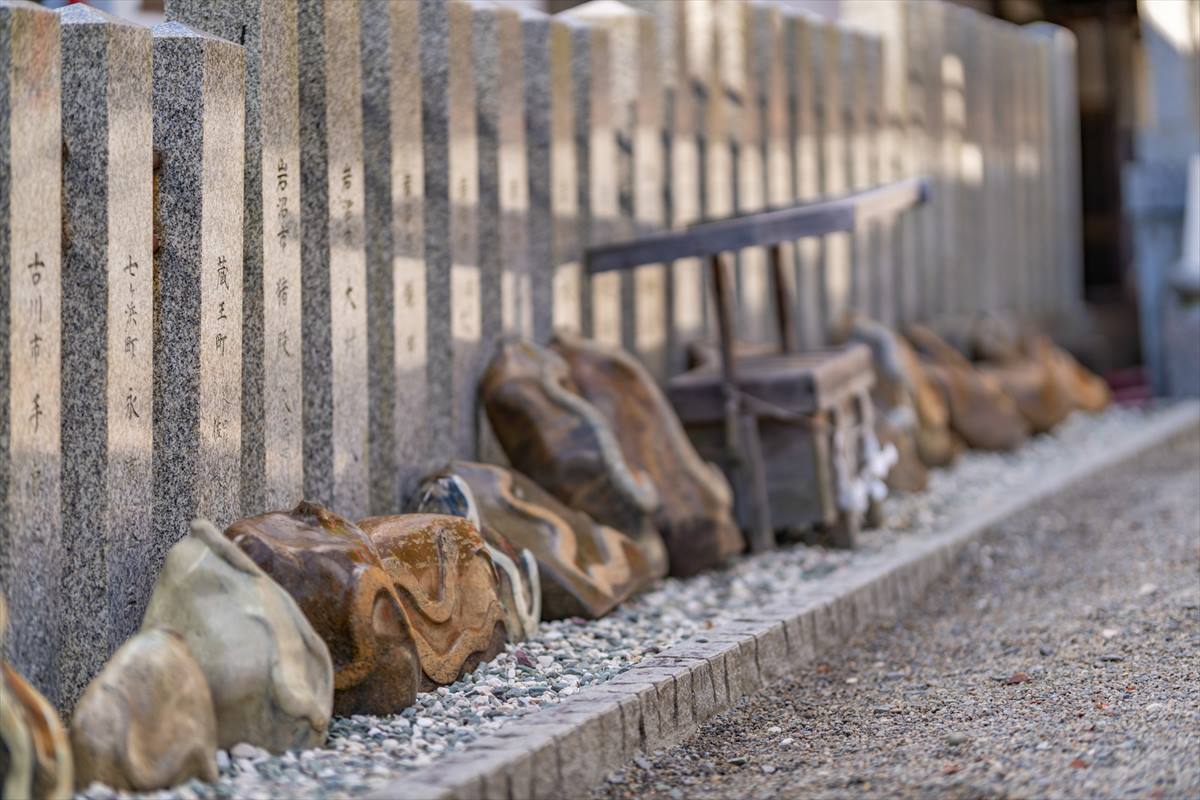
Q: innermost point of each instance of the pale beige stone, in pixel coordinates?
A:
(270, 674)
(146, 721)
(35, 756)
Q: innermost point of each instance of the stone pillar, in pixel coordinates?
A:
(107, 339)
(857, 60)
(894, 115)
(333, 258)
(1053, 287)
(595, 154)
(199, 123)
(503, 178)
(31, 547)
(503, 189)
(769, 60)
(922, 232)
(637, 100)
(272, 392)
(981, 133)
(738, 81)
(555, 274)
(979, 257)
(953, 185)
(837, 250)
(1023, 268)
(801, 50)
(682, 198)
(966, 68)
(1061, 107)
(400, 419)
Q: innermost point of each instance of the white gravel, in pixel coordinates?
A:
(363, 752)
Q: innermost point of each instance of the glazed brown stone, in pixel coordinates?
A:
(893, 395)
(585, 569)
(446, 586)
(1046, 382)
(560, 440)
(146, 722)
(35, 754)
(980, 411)
(332, 571)
(695, 512)
(517, 573)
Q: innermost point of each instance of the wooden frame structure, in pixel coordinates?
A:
(770, 228)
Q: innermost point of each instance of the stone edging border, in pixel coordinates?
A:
(567, 749)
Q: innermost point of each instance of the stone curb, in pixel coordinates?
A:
(568, 748)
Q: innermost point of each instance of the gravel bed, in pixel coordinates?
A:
(362, 752)
(1059, 659)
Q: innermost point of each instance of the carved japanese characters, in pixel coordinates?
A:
(585, 568)
(440, 569)
(270, 674)
(695, 512)
(146, 721)
(331, 569)
(35, 756)
(563, 443)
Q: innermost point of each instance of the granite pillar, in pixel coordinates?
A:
(400, 418)
(199, 124)
(637, 103)
(31, 546)
(740, 84)
(769, 62)
(855, 73)
(682, 158)
(333, 258)
(953, 185)
(556, 282)
(453, 312)
(272, 391)
(107, 339)
(836, 247)
(595, 154)
(803, 32)
(931, 264)
(503, 178)
(503, 188)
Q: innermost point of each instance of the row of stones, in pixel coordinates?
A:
(294, 325)
(665, 697)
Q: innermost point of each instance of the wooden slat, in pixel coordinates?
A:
(765, 228)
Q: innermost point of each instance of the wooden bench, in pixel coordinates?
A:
(792, 431)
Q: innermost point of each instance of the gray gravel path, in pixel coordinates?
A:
(1062, 659)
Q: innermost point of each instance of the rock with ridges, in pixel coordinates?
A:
(444, 578)
(695, 512)
(332, 571)
(585, 568)
(980, 411)
(560, 440)
(146, 721)
(519, 587)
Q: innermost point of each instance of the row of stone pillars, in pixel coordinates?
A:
(263, 252)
